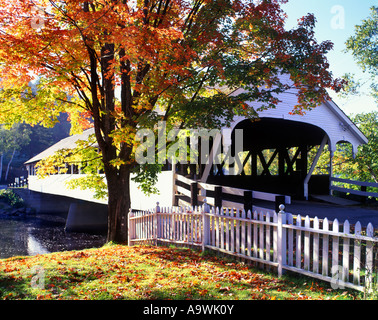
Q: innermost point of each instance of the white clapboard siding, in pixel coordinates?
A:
(284, 241)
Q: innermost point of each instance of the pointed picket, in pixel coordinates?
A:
(232, 232)
(325, 248)
(346, 244)
(261, 232)
(307, 244)
(255, 234)
(195, 227)
(217, 217)
(335, 244)
(174, 224)
(369, 257)
(249, 233)
(298, 256)
(185, 227)
(275, 237)
(222, 220)
(212, 217)
(227, 222)
(237, 227)
(357, 254)
(315, 247)
(242, 226)
(290, 240)
(267, 237)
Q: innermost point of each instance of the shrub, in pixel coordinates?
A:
(11, 198)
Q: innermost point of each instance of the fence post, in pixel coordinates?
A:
(363, 198)
(281, 240)
(206, 225)
(194, 194)
(218, 197)
(279, 200)
(248, 201)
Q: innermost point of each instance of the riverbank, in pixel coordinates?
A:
(12, 205)
(148, 272)
(26, 232)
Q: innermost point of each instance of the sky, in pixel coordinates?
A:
(336, 20)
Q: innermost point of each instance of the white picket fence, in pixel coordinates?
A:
(313, 247)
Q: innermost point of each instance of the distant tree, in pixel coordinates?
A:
(11, 141)
(364, 47)
(364, 166)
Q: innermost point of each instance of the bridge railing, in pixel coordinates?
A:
(193, 193)
(338, 184)
(20, 182)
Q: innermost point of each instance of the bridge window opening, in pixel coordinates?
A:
(323, 166)
(268, 162)
(343, 156)
(75, 169)
(247, 163)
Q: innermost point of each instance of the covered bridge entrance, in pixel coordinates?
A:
(275, 157)
(281, 151)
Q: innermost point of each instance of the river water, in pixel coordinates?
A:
(41, 233)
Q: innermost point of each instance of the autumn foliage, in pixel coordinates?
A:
(129, 64)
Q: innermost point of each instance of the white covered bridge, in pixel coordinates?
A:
(275, 158)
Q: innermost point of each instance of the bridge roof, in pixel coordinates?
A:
(327, 116)
(66, 143)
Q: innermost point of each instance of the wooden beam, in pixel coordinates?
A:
(263, 163)
(245, 162)
(254, 163)
(213, 152)
(281, 161)
(309, 174)
(270, 162)
(290, 162)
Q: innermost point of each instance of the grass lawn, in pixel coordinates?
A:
(148, 272)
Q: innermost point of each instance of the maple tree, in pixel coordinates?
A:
(116, 63)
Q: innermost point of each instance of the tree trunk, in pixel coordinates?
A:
(8, 166)
(118, 205)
